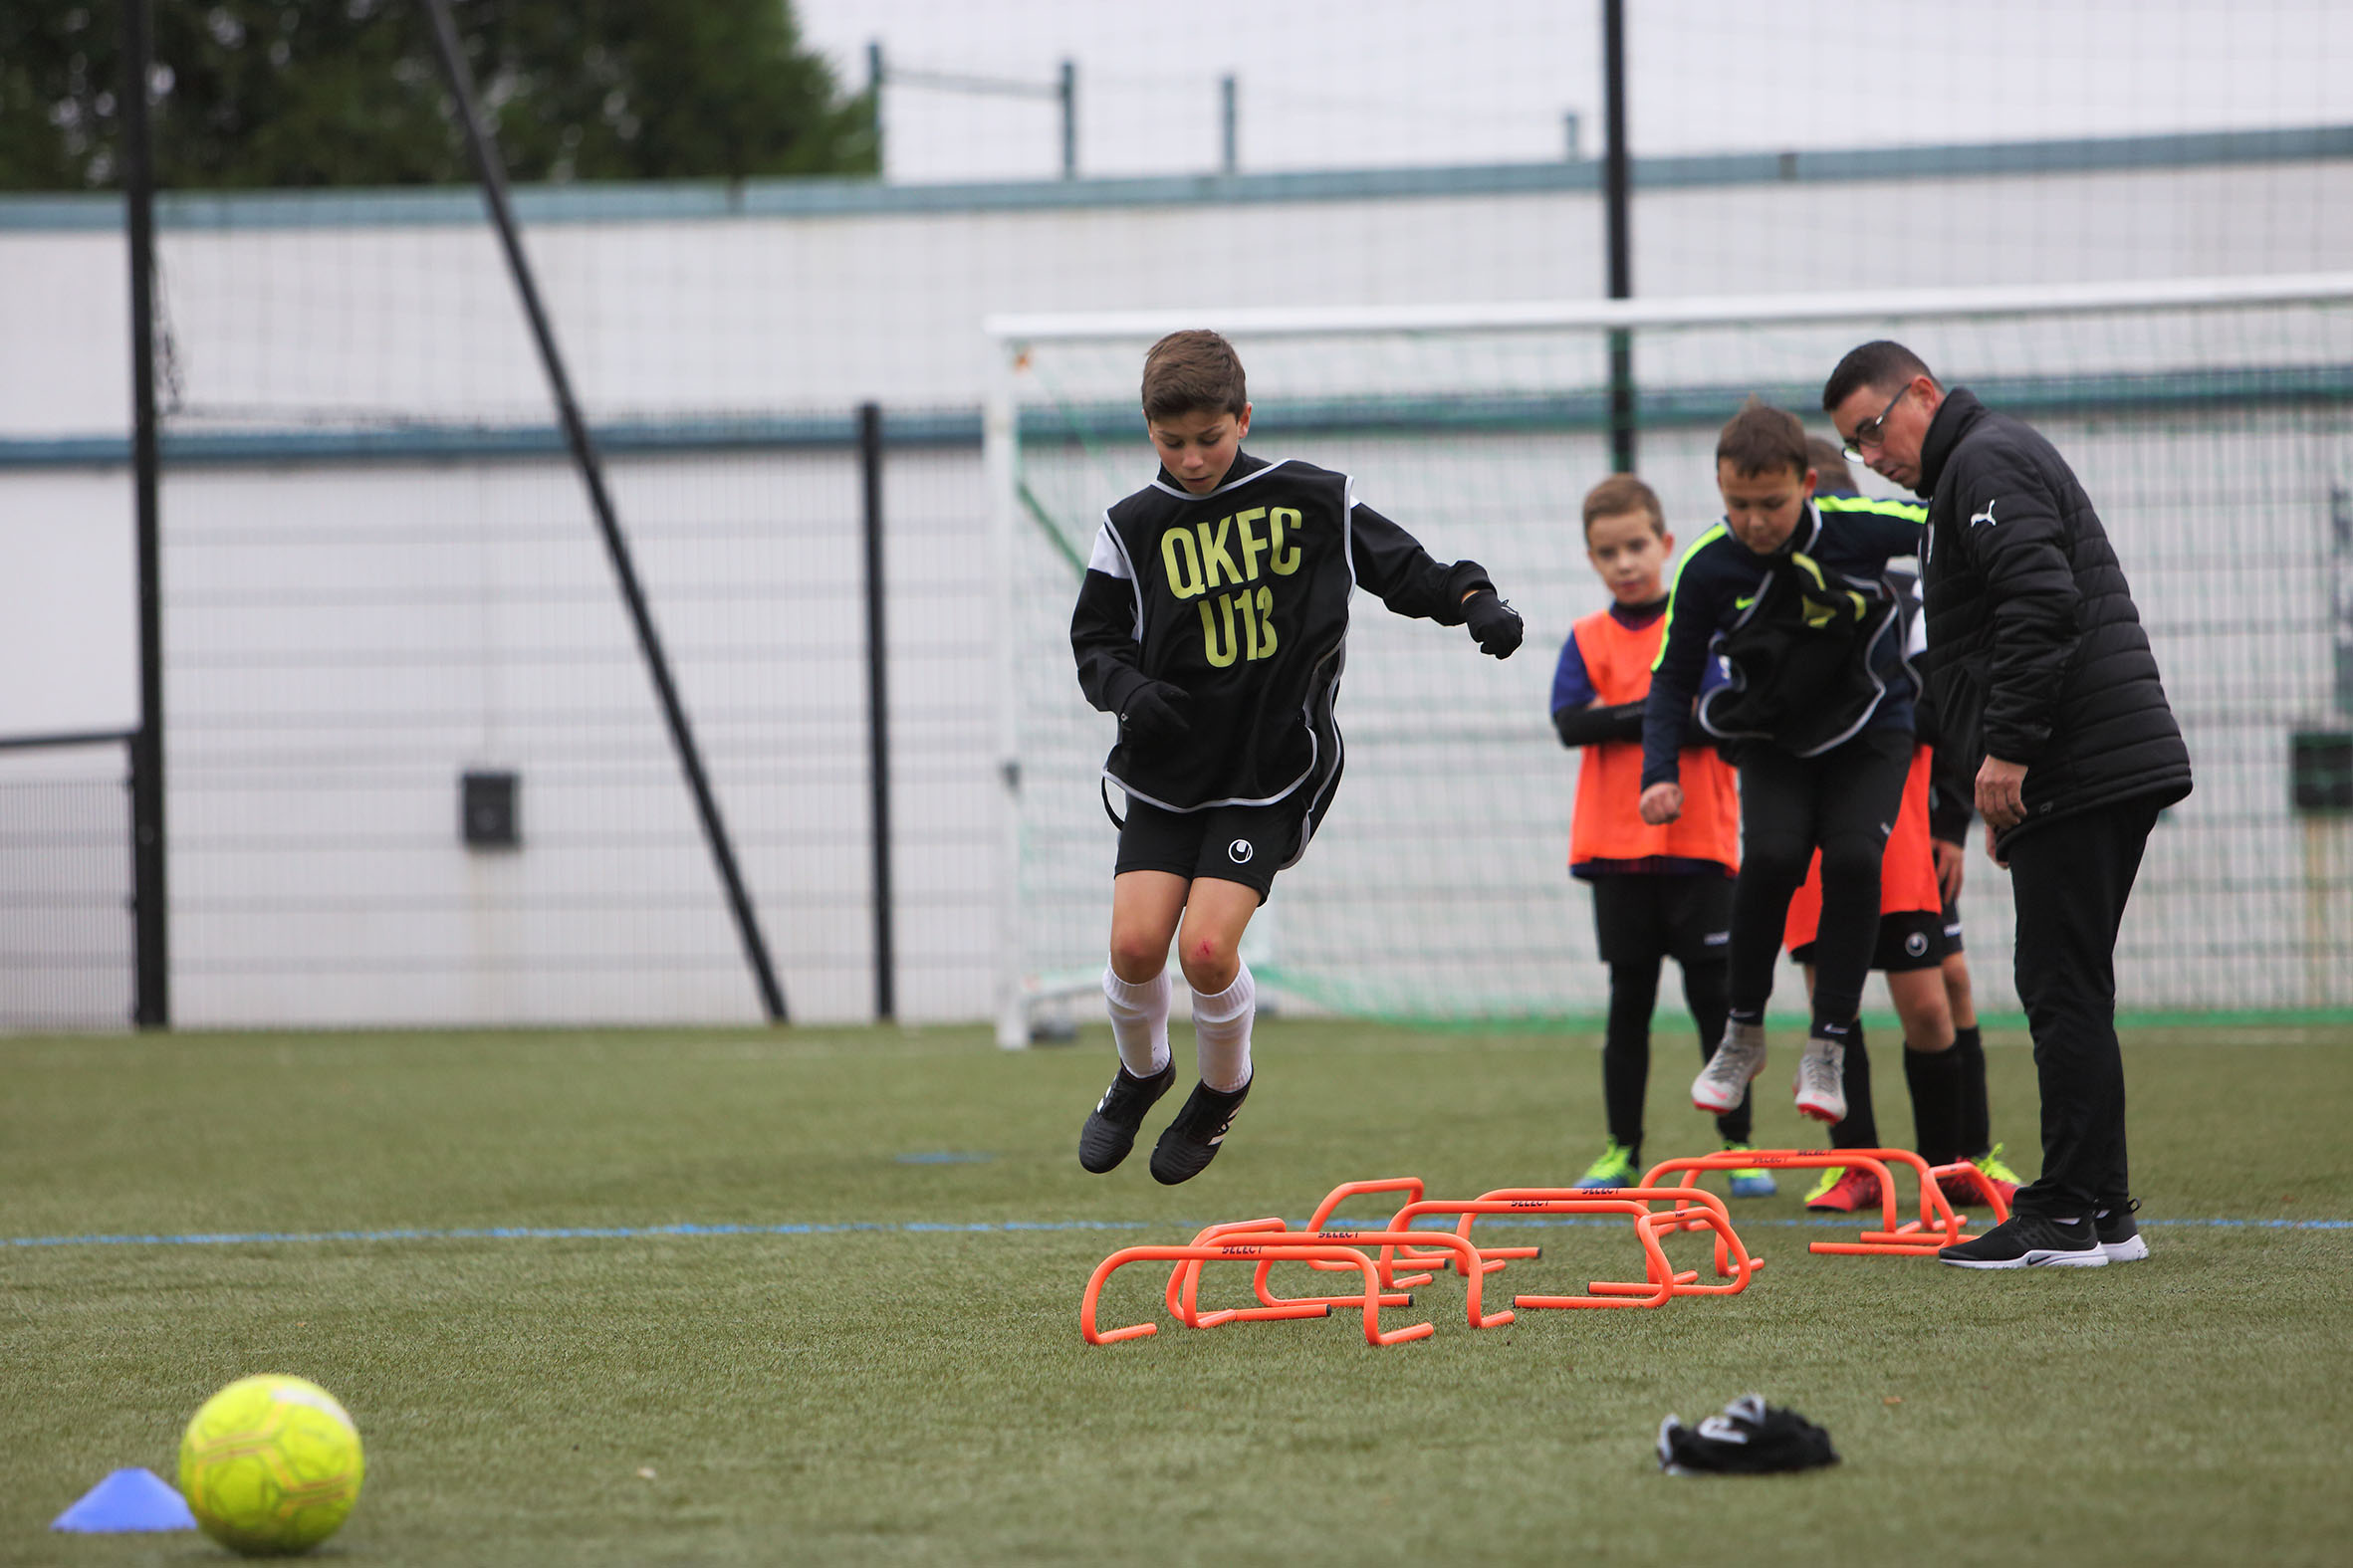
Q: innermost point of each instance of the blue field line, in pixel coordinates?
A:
(619, 1233)
(933, 1228)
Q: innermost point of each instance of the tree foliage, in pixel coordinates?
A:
(295, 92)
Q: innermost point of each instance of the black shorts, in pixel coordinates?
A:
(1909, 938)
(1233, 844)
(1639, 919)
(1953, 929)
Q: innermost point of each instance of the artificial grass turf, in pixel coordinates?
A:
(901, 1396)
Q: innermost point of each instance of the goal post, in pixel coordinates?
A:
(2210, 419)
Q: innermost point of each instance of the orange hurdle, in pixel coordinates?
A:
(1732, 1259)
(1664, 1280)
(1184, 1280)
(1246, 1251)
(1980, 1180)
(1938, 1226)
(1411, 1185)
(1264, 1242)
(1728, 1241)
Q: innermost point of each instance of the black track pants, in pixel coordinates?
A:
(1844, 804)
(2071, 881)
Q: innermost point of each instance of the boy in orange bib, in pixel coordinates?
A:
(1658, 891)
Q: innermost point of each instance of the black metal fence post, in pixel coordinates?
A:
(1616, 177)
(1229, 127)
(874, 103)
(151, 911)
(1066, 91)
(878, 712)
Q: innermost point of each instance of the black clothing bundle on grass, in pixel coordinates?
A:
(1751, 1437)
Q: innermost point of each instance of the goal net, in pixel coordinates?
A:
(2211, 421)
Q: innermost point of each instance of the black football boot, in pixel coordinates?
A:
(1111, 1126)
(1189, 1143)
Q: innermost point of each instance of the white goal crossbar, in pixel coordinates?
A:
(1699, 310)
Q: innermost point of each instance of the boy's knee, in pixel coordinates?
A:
(1136, 957)
(1928, 1029)
(1210, 965)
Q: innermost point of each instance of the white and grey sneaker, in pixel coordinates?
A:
(2029, 1240)
(1741, 1057)
(1819, 1085)
(2120, 1237)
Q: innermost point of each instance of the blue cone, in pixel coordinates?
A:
(132, 1499)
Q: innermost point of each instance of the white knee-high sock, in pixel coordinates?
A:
(1222, 1026)
(1139, 1021)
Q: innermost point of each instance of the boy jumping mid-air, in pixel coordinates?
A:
(1214, 622)
(1820, 706)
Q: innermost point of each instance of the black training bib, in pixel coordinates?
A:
(1242, 599)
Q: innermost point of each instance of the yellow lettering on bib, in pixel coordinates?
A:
(1213, 554)
(1208, 634)
(1183, 581)
(1252, 547)
(1284, 561)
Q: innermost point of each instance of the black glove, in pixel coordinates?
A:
(1495, 625)
(1156, 714)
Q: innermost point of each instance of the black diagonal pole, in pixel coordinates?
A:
(492, 172)
(1616, 173)
(150, 912)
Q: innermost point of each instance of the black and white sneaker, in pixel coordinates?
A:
(2119, 1237)
(1189, 1143)
(1111, 1127)
(2029, 1240)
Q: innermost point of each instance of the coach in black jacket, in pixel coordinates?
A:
(2044, 683)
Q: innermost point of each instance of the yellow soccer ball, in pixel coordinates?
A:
(271, 1465)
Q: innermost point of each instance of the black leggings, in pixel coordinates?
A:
(1625, 1050)
(1843, 802)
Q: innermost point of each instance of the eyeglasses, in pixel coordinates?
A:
(1870, 430)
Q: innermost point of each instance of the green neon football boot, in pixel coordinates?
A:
(1615, 1167)
(2000, 1174)
(1750, 1180)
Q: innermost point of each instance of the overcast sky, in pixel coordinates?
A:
(1367, 82)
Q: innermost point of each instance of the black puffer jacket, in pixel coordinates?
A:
(2035, 654)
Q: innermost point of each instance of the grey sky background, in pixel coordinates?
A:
(1374, 82)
